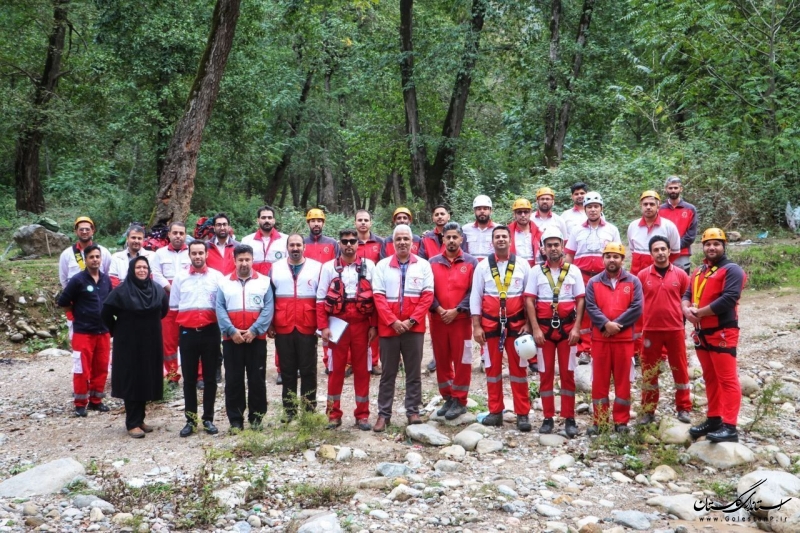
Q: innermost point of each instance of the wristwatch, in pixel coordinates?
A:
(412, 321)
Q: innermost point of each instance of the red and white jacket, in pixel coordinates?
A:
(194, 297)
(585, 244)
(222, 262)
(322, 249)
(525, 244)
(452, 284)
(477, 240)
(619, 300)
(295, 299)
(387, 249)
(684, 216)
(245, 304)
(350, 280)
(371, 248)
(484, 300)
(167, 262)
(573, 218)
(639, 236)
(662, 298)
(413, 301)
(538, 287)
(266, 250)
(118, 270)
(552, 220)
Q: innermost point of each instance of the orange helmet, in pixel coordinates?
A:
(545, 190)
(614, 248)
(649, 193)
(521, 203)
(83, 219)
(714, 234)
(315, 213)
(405, 210)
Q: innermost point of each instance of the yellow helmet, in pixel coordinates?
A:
(614, 248)
(315, 213)
(649, 193)
(714, 234)
(405, 210)
(521, 203)
(545, 190)
(83, 219)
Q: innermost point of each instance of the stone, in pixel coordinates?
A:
(453, 452)
(310, 456)
(777, 486)
(96, 515)
(749, 385)
(622, 478)
(326, 522)
(122, 518)
(34, 521)
(41, 480)
(374, 483)
(359, 454)
(775, 365)
(344, 454)
(642, 480)
(556, 527)
(17, 337)
(427, 434)
(254, 521)
(680, 505)
(790, 390)
(552, 440)
(733, 236)
(326, 451)
(787, 518)
(43, 334)
(591, 527)
(721, 455)
(505, 490)
(467, 439)
(480, 428)
(632, 519)
(403, 493)
(663, 473)
(547, 510)
(239, 527)
(586, 520)
(38, 240)
(488, 446)
(562, 461)
(29, 509)
(443, 465)
(671, 431)
(54, 352)
(379, 514)
(232, 496)
(414, 459)
(783, 460)
(463, 420)
(392, 470)
(583, 378)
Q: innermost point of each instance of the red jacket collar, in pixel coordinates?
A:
(193, 270)
(586, 223)
(253, 275)
(657, 222)
(273, 235)
(491, 224)
(394, 263)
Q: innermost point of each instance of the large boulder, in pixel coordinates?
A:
(427, 434)
(681, 505)
(41, 480)
(671, 431)
(721, 455)
(769, 487)
(38, 240)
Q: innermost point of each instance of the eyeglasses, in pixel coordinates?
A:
(348, 241)
(221, 225)
(84, 230)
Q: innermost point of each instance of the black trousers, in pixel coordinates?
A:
(240, 359)
(134, 414)
(199, 345)
(298, 352)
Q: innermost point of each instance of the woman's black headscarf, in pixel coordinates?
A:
(136, 294)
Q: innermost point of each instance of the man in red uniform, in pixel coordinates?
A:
(192, 297)
(497, 305)
(684, 216)
(344, 294)
(525, 235)
(369, 247)
(663, 286)
(403, 287)
(641, 230)
(402, 215)
(711, 303)
(451, 327)
(317, 246)
(433, 240)
(614, 303)
(91, 342)
(554, 299)
(221, 245)
(294, 282)
(268, 244)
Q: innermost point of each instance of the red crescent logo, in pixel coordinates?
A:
(627, 290)
(463, 270)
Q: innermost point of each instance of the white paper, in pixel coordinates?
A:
(330, 359)
(466, 357)
(540, 359)
(633, 369)
(77, 366)
(573, 358)
(369, 358)
(487, 362)
(337, 327)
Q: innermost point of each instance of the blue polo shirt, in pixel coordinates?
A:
(86, 299)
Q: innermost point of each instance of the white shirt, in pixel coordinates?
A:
(553, 220)
(479, 241)
(121, 260)
(68, 265)
(538, 285)
(572, 217)
(166, 263)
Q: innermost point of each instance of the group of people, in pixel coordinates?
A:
(547, 291)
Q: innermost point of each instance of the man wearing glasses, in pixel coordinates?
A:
(221, 245)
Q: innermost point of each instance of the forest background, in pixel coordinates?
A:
(377, 103)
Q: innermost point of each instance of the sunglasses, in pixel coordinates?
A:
(348, 241)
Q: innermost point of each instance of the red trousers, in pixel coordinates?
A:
(586, 325)
(353, 342)
(375, 350)
(566, 375)
(611, 359)
(452, 350)
(517, 375)
(654, 343)
(90, 356)
(170, 333)
(719, 371)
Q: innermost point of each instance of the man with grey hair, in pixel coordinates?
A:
(683, 215)
(402, 286)
(134, 241)
(451, 325)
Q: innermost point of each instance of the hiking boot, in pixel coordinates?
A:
(136, 433)
(683, 416)
(210, 428)
(727, 433)
(219, 375)
(645, 419)
(377, 370)
(593, 431)
(363, 424)
(570, 428)
(279, 380)
(414, 419)
(622, 428)
(533, 368)
(710, 424)
(334, 423)
(173, 385)
(493, 419)
(455, 411)
(523, 424)
(101, 407)
(201, 385)
(432, 365)
(448, 404)
(380, 425)
(547, 426)
(80, 411)
(187, 430)
(147, 429)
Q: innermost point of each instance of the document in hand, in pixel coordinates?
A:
(337, 327)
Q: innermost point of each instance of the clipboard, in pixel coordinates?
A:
(337, 327)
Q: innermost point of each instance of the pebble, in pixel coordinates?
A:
(622, 478)
(453, 452)
(775, 365)
(379, 514)
(254, 521)
(548, 510)
(344, 454)
(414, 459)
(488, 446)
(552, 440)
(443, 465)
(562, 461)
(632, 519)
(783, 460)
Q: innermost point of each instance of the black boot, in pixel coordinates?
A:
(448, 403)
(727, 433)
(570, 427)
(493, 419)
(547, 426)
(711, 424)
(523, 424)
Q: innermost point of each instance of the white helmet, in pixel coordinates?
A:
(592, 198)
(526, 347)
(551, 232)
(481, 201)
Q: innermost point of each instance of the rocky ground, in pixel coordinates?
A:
(436, 477)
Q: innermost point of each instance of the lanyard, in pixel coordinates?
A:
(266, 250)
(697, 289)
(502, 289)
(555, 321)
(79, 257)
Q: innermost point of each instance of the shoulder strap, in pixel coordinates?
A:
(79, 257)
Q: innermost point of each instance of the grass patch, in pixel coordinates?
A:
(306, 430)
(310, 496)
(768, 266)
(482, 406)
(32, 277)
(724, 489)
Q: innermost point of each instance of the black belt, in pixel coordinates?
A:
(204, 328)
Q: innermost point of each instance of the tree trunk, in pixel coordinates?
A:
(551, 153)
(29, 192)
(176, 183)
(327, 190)
(312, 180)
(280, 171)
(419, 154)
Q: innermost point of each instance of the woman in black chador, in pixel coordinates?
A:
(133, 313)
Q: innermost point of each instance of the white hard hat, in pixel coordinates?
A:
(526, 347)
(592, 198)
(481, 201)
(551, 232)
